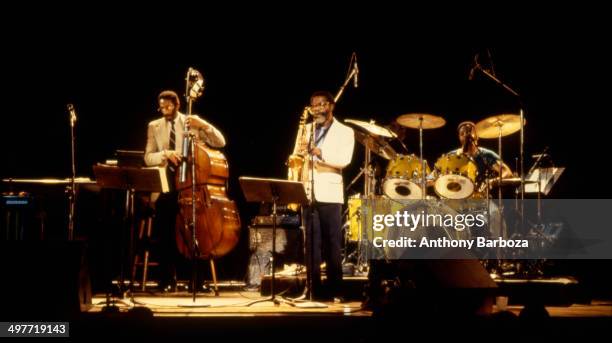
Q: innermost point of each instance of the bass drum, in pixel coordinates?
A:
(456, 176)
(403, 179)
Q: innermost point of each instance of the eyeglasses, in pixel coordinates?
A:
(167, 106)
(321, 104)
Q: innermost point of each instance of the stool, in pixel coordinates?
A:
(146, 223)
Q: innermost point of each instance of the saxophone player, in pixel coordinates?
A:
(331, 148)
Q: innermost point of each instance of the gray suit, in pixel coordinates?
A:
(158, 139)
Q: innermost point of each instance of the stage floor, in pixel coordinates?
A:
(228, 303)
(227, 315)
(232, 303)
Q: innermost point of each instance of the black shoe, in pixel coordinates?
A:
(339, 300)
(251, 288)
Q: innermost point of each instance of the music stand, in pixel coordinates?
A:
(130, 179)
(541, 181)
(274, 191)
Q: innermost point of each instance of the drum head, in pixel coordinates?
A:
(454, 187)
(401, 189)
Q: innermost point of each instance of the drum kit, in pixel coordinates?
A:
(454, 176)
(408, 176)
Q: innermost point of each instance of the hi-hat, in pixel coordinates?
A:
(372, 128)
(376, 144)
(506, 123)
(421, 120)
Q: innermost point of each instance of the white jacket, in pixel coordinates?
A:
(337, 152)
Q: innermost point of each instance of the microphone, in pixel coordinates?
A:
(475, 66)
(356, 77)
(73, 116)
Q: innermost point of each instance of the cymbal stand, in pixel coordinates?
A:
(423, 182)
(522, 136)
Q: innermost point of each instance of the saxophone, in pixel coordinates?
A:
(297, 161)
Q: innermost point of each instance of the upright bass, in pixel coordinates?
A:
(211, 228)
(217, 228)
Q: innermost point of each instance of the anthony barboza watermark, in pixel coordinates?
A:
(473, 224)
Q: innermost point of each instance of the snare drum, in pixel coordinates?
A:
(457, 176)
(403, 179)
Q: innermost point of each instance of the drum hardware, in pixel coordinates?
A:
(503, 125)
(372, 128)
(422, 122)
(372, 137)
(376, 145)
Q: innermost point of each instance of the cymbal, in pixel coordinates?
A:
(490, 127)
(415, 120)
(377, 145)
(372, 128)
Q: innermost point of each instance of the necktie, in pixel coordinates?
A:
(172, 145)
(172, 136)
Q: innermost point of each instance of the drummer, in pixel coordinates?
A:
(487, 161)
(488, 165)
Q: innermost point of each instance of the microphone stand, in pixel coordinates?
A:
(354, 71)
(189, 147)
(72, 190)
(192, 224)
(366, 169)
(309, 276)
(367, 172)
(522, 136)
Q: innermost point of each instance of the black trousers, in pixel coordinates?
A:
(166, 209)
(324, 243)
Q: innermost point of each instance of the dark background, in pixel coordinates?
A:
(257, 88)
(255, 95)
